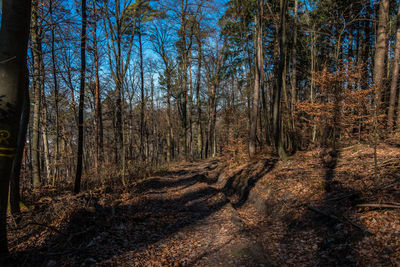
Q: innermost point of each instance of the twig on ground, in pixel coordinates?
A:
(376, 205)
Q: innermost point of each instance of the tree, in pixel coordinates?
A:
(77, 186)
(119, 29)
(142, 12)
(257, 76)
(278, 127)
(37, 85)
(379, 69)
(380, 51)
(14, 34)
(395, 75)
(161, 40)
(15, 197)
(98, 112)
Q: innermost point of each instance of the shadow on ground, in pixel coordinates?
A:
(329, 221)
(99, 233)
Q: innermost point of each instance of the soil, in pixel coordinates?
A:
(265, 212)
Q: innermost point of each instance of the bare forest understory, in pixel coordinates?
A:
(310, 210)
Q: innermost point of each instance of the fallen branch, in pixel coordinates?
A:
(374, 205)
(334, 217)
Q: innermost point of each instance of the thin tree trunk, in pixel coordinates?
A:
(170, 134)
(189, 112)
(281, 85)
(55, 81)
(198, 103)
(142, 103)
(98, 112)
(312, 82)
(77, 186)
(380, 51)
(37, 57)
(257, 72)
(45, 141)
(294, 62)
(379, 70)
(395, 77)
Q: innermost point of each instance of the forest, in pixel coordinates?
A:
(199, 133)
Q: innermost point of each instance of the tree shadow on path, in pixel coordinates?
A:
(328, 220)
(102, 232)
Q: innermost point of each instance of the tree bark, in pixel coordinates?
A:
(380, 51)
(281, 85)
(198, 103)
(15, 197)
(14, 34)
(37, 57)
(395, 76)
(142, 103)
(56, 95)
(77, 186)
(98, 112)
(379, 71)
(294, 62)
(257, 75)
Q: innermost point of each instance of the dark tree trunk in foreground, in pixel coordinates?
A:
(15, 197)
(77, 186)
(14, 35)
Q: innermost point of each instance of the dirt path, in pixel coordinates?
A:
(196, 223)
(176, 218)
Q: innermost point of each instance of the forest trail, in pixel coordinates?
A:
(175, 218)
(265, 212)
(195, 223)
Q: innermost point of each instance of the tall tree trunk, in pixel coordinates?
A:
(198, 103)
(281, 85)
(37, 57)
(257, 75)
(77, 186)
(55, 81)
(294, 62)
(395, 76)
(142, 103)
(189, 112)
(170, 134)
(98, 112)
(45, 139)
(380, 51)
(379, 70)
(312, 82)
(14, 34)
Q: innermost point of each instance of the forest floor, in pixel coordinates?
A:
(302, 212)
